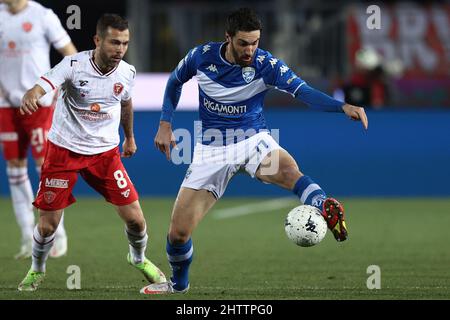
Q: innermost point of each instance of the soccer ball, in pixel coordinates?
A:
(305, 226)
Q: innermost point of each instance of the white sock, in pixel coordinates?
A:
(41, 249)
(22, 198)
(138, 244)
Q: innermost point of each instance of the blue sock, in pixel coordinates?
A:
(180, 258)
(309, 192)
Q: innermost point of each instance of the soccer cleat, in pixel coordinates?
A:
(31, 281)
(150, 271)
(333, 212)
(25, 250)
(59, 247)
(162, 288)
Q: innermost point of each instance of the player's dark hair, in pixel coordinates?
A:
(243, 19)
(110, 20)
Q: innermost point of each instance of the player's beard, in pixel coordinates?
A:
(238, 59)
(109, 61)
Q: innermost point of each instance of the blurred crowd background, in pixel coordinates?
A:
(404, 64)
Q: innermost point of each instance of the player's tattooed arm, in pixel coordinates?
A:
(30, 101)
(129, 145)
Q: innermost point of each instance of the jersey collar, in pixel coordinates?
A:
(97, 69)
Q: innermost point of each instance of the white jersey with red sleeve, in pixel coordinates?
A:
(88, 110)
(25, 40)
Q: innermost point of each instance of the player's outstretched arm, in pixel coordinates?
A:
(356, 113)
(165, 138)
(323, 102)
(30, 101)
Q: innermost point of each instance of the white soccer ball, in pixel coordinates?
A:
(305, 226)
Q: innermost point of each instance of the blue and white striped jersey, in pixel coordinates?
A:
(231, 96)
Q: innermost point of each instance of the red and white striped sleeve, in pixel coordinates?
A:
(57, 75)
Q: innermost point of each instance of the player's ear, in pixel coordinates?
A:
(96, 40)
(227, 37)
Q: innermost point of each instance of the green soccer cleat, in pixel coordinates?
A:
(31, 281)
(150, 271)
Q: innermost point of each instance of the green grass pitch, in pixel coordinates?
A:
(249, 256)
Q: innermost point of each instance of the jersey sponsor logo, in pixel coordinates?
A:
(95, 107)
(118, 87)
(93, 116)
(49, 196)
(56, 183)
(248, 73)
(212, 68)
(223, 108)
(27, 26)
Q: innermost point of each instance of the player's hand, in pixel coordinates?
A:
(356, 114)
(165, 138)
(30, 101)
(129, 148)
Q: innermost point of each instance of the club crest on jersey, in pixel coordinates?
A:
(248, 73)
(27, 26)
(118, 87)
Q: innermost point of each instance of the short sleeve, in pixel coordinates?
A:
(54, 30)
(57, 75)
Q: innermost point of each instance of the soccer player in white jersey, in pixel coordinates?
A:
(95, 99)
(27, 30)
(233, 78)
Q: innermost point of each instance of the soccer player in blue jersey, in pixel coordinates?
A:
(233, 78)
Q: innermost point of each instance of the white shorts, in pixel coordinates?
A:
(213, 166)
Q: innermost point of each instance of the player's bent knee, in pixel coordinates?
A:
(136, 224)
(178, 237)
(47, 229)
